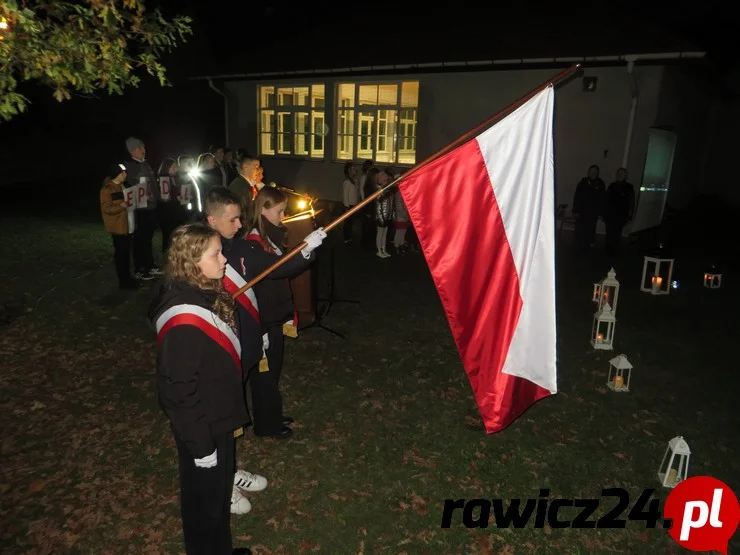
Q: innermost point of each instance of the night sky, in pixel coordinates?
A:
(75, 140)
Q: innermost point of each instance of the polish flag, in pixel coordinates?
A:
(485, 216)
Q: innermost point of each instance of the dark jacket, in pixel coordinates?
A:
(199, 383)
(620, 202)
(273, 293)
(588, 202)
(246, 192)
(138, 172)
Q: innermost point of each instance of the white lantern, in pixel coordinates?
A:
(597, 293)
(602, 334)
(620, 371)
(607, 292)
(712, 278)
(675, 465)
(656, 275)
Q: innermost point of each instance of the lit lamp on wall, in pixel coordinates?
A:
(675, 465)
(713, 278)
(656, 273)
(607, 292)
(602, 333)
(620, 371)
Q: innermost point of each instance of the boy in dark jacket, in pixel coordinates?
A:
(246, 260)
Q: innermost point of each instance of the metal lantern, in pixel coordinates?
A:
(597, 293)
(607, 291)
(713, 278)
(675, 465)
(602, 333)
(620, 371)
(656, 275)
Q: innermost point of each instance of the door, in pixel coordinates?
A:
(656, 177)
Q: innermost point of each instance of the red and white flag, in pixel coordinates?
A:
(484, 214)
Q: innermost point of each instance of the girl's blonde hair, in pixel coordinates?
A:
(187, 246)
(266, 198)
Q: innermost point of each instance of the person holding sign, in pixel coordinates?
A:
(141, 176)
(169, 210)
(114, 209)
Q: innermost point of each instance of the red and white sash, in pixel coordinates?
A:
(233, 281)
(254, 235)
(204, 320)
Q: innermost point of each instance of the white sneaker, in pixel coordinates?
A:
(248, 481)
(240, 505)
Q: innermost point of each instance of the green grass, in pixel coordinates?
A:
(386, 428)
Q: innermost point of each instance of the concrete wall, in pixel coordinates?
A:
(684, 108)
(722, 147)
(590, 128)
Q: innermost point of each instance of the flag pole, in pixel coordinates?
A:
(563, 75)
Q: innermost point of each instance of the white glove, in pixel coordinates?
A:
(313, 241)
(207, 462)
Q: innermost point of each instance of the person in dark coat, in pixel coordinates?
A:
(246, 259)
(619, 208)
(199, 380)
(267, 240)
(587, 207)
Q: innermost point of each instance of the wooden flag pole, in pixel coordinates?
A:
(565, 74)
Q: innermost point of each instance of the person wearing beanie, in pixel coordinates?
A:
(140, 173)
(114, 209)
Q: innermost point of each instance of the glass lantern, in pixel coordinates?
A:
(602, 333)
(713, 278)
(656, 275)
(620, 371)
(607, 291)
(675, 465)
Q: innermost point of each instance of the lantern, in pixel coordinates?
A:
(607, 291)
(656, 275)
(620, 371)
(597, 293)
(675, 464)
(602, 333)
(713, 278)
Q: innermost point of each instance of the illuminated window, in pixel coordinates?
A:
(292, 121)
(377, 122)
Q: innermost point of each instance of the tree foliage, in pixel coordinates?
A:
(85, 46)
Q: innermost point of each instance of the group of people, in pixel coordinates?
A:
(387, 210)
(593, 200)
(135, 201)
(214, 341)
(210, 346)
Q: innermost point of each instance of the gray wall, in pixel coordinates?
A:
(590, 128)
(722, 148)
(684, 108)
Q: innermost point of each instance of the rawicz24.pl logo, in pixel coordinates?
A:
(701, 513)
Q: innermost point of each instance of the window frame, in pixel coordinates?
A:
(338, 136)
(308, 110)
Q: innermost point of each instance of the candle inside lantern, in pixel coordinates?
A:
(672, 476)
(600, 338)
(657, 283)
(619, 382)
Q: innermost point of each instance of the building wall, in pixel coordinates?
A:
(684, 108)
(722, 146)
(590, 128)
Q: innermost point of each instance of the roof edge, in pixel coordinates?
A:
(457, 66)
